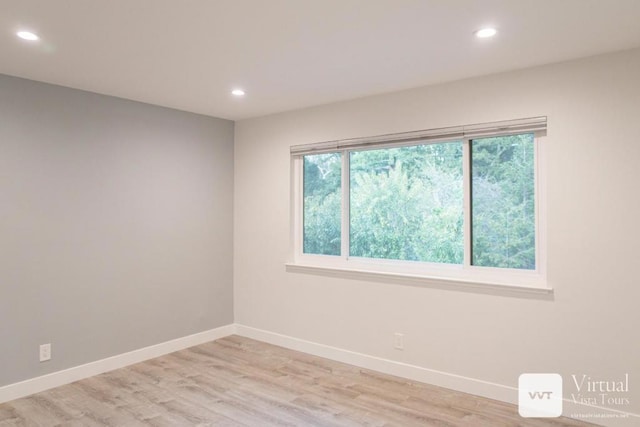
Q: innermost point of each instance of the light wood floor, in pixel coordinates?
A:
(236, 381)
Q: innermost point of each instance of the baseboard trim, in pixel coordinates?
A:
(442, 379)
(76, 373)
(460, 383)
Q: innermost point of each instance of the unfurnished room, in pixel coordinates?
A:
(319, 213)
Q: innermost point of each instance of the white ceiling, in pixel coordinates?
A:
(289, 54)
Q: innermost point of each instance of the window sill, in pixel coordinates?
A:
(447, 283)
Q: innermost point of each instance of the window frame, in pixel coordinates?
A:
(417, 272)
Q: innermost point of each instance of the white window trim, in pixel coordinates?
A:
(464, 276)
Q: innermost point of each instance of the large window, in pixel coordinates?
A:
(453, 204)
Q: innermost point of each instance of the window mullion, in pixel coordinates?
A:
(466, 175)
(298, 211)
(539, 201)
(345, 235)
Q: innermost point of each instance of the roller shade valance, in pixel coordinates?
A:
(507, 127)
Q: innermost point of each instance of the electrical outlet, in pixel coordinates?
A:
(45, 352)
(398, 342)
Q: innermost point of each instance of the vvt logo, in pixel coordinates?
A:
(540, 395)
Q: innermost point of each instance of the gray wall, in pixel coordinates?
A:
(116, 223)
(591, 157)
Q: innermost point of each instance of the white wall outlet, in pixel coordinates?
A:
(45, 352)
(398, 341)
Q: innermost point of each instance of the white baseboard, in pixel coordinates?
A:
(605, 416)
(460, 383)
(56, 379)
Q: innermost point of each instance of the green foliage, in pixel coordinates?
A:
(407, 203)
(503, 202)
(322, 204)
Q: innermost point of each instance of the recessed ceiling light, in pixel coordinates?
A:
(27, 35)
(486, 32)
(237, 92)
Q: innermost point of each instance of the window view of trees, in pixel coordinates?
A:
(406, 203)
(322, 204)
(503, 202)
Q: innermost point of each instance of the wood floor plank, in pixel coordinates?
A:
(238, 382)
